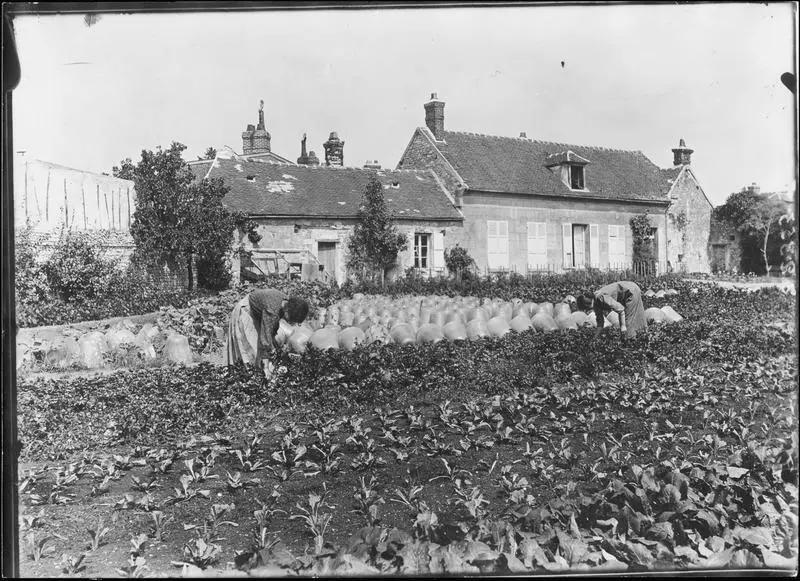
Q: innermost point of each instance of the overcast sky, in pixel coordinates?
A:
(633, 77)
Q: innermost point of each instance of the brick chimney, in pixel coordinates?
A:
(334, 150)
(434, 117)
(256, 139)
(372, 164)
(753, 188)
(683, 155)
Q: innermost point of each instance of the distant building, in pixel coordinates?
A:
(727, 246)
(533, 205)
(305, 214)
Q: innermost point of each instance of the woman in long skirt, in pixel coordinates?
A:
(254, 324)
(624, 298)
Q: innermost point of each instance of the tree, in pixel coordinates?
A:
(125, 169)
(458, 261)
(788, 231)
(210, 153)
(375, 242)
(754, 215)
(179, 220)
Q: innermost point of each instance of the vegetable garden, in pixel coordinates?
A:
(513, 451)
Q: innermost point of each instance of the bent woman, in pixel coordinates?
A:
(624, 298)
(255, 321)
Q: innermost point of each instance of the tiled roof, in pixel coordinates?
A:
(279, 189)
(517, 165)
(565, 157)
(669, 176)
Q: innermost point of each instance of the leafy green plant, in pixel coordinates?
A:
(200, 553)
(367, 500)
(314, 519)
(160, 521)
(97, 535)
(37, 547)
(72, 565)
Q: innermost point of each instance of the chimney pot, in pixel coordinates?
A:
(523, 135)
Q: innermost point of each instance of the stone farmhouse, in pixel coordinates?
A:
(305, 211)
(532, 205)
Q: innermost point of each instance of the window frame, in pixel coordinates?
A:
(419, 238)
(579, 168)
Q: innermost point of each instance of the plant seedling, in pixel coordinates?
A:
(36, 548)
(136, 568)
(97, 534)
(315, 520)
(71, 565)
(159, 522)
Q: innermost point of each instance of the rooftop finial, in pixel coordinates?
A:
(261, 105)
(682, 143)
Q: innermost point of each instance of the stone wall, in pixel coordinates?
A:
(688, 226)
(518, 210)
(298, 241)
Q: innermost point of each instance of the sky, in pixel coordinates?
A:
(633, 77)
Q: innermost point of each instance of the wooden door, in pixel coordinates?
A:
(326, 254)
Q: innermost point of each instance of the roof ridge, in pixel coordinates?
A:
(331, 167)
(545, 142)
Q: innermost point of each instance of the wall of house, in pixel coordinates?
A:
(297, 240)
(421, 154)
(518, 210)
(688, 226)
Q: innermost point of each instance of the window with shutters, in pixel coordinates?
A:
(497, 240)
(537, 245)
(616, 246)
(422, 245)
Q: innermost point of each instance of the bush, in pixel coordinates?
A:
(213, 273)
(459, 262)
(76, 283)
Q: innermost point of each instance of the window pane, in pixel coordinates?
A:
(576, 177)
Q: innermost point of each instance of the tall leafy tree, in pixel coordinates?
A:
(756, 216)
(375, 242)
(179, 221)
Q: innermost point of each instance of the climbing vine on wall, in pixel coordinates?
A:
(642, 230)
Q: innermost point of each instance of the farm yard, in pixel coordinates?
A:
(418, 432)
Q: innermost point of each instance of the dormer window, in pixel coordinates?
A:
(570, 167)
(576, 177)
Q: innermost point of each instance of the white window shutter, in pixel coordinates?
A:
(412, 250)
(497, 244)
(594, 245)
(537, 244)
(622, 248)
(566, 235)
(438, 249)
